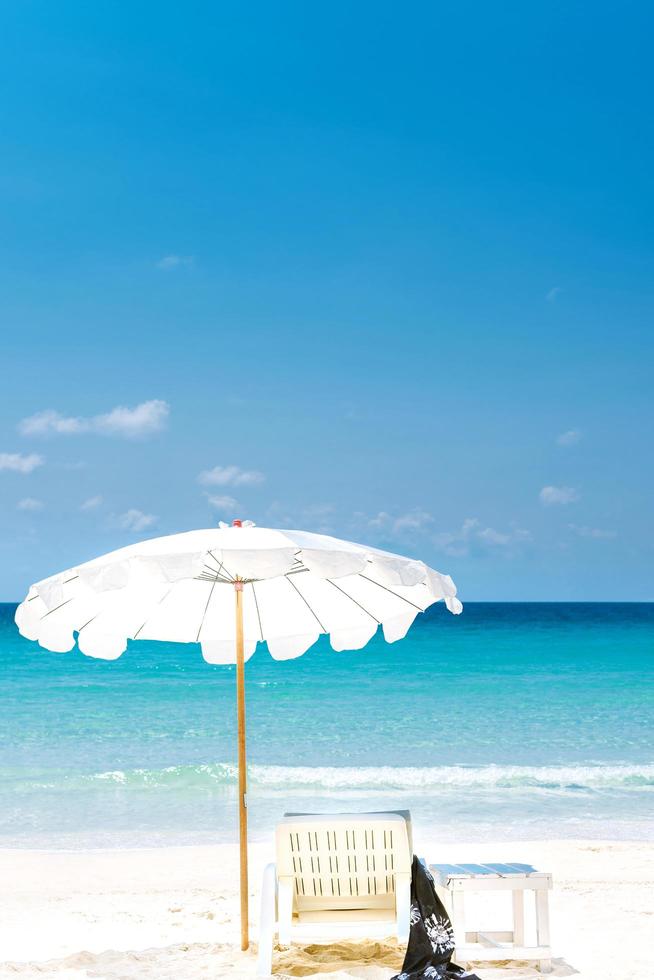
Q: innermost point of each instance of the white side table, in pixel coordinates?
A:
(457, 879)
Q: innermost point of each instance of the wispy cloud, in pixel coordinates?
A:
(312, 517)
(135, 520)
(591, 532)
(30, 503)
(410, 521)
(551, 295)
(230, 476)
(318, 517)
(473, 536)
(414, 520)
(569, 438)
(92, 503)
(20, 462)
(223, 502)
(558, 495)
(381, 519)
(130, 423)
(318, 510)
(168, 262)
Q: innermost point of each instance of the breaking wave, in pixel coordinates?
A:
(371, 779)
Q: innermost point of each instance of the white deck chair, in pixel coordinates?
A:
(345, 875)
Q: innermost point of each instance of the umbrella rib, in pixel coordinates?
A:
(87, 623)
(352, 599)
(214, 571)
(143, 624)
(64, 582)
(256, 606)
(211, 574)
(213, 586)
(221, 565)
(306, 602)
(61, 604)
(396, 594)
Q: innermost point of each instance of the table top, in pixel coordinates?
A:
(485, 870)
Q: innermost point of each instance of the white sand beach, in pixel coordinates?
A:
(151, 914)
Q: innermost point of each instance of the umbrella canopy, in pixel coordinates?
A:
(228, 588)
(297, 585)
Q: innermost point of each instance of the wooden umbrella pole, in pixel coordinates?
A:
(242, 771)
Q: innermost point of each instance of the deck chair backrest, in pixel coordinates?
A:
(345, 860)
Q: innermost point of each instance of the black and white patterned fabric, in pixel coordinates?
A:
(431, 937)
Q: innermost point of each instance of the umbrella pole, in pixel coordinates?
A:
(242, 771)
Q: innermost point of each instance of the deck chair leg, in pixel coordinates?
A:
(285, 909)
(403, 906)
(267, 921)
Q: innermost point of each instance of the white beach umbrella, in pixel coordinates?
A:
(228, 588)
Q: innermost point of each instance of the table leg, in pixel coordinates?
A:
(518, 917)
(543, 926)
(458, 917)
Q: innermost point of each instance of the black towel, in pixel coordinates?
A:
(431, 937)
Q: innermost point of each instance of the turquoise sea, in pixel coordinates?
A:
(509, 721)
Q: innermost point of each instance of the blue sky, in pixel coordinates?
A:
(376, 270)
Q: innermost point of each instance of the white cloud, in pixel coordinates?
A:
(131, 423)
(175, 261)
(29, 503)
(230, 476)
(145, 418)
(92, 503)
(591, 532)
(20, 462)
(135, 520)
(558, 495)
(473, 536)
(222, 502)
(569, 438)
(552, 294)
